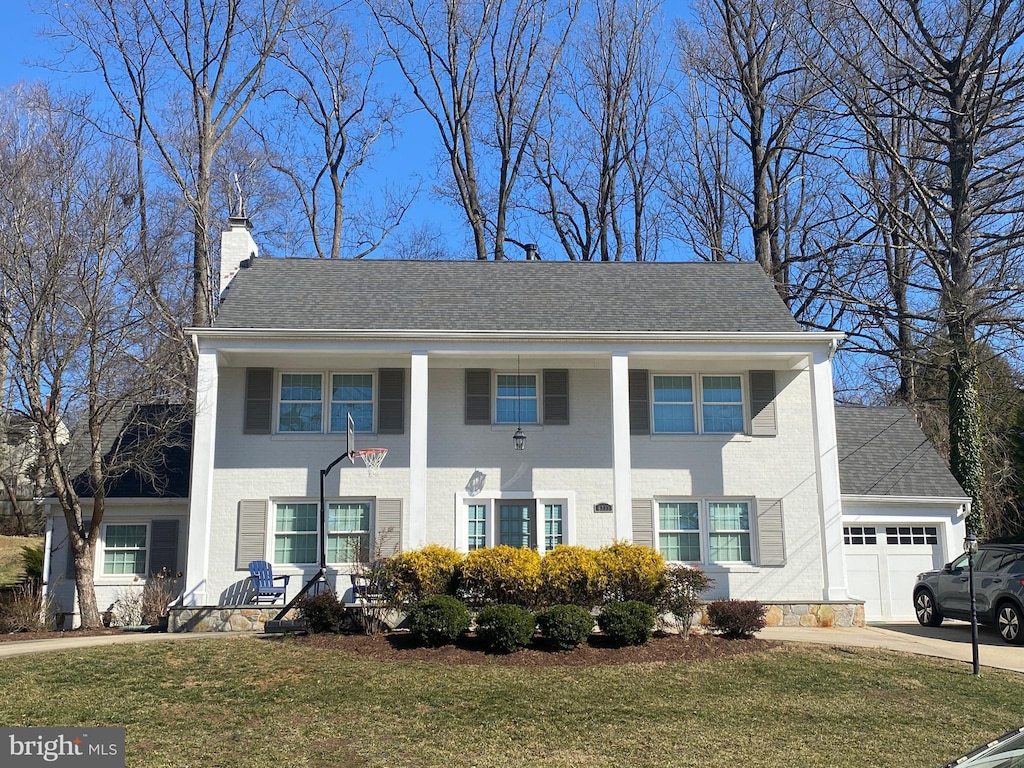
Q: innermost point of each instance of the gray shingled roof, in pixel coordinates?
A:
(883, 452)
(324, 294)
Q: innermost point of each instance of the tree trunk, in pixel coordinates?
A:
(84, 552)
(965, 441)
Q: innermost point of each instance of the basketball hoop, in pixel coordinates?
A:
(372, 458)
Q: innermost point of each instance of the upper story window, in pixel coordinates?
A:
(516, 400)
(675, 397)
(302, 402)
(301, 406)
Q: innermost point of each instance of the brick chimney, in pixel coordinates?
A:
(236, 246)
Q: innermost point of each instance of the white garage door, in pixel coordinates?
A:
(882, 563)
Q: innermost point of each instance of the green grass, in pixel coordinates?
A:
(245, 702)
(10, 556)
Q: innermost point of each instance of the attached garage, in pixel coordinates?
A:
(903, 512)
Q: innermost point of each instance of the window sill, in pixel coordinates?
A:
(663, 437)
(323, 436)
(729, 568)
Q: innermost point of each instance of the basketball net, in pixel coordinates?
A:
(372, 458)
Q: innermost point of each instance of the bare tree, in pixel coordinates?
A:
(593, 158)
(955, 71)
(481, 70)
(83, 341)
(184, 71)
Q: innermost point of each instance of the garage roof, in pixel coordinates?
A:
(883, 452)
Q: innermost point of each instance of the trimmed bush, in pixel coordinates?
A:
(438, 620)
(571, 576)
(736, 619)
(323, 612)
(633, 572)
(413, 576)
(505, 628)
(500, 575)
(627, 622)
(682, 596)
(565, 626)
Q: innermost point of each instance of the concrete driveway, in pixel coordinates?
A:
(950, 641)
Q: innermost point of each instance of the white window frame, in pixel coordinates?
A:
(491, 504)
(372, 401)
(272, 531)
(699, 529)
(704, 527)
(103, 549)
(498, 398)
(280, 402)
(692, 403)
(698, 404)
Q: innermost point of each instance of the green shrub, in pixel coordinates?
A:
(736, 619)
(499, 575)
(627, 622)
(420, 573)
(682, 595)
(633, 572)
(323, 612)
(438, 620)
(571, 576)
(565, 626)
(32, 563)
(505, 628)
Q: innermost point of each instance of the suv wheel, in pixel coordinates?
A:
(928, 615)
(1010, 623)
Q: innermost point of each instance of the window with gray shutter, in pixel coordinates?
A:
(259, 400)
(391, 401)
(643, 522)
(387, 527)
(763, 422)
(163, 546)
(771, 542)
(556, 397)
(252, 532)
(639, 403)
(478, 396)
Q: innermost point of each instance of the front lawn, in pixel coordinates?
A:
(11, 565)
(246, 702)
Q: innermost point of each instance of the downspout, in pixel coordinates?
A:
(47, 543)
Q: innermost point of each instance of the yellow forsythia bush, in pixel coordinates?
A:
(419, 573)
(501, 574)
(571, 576)
(633, 572)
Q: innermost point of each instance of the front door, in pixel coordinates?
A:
(517, 523)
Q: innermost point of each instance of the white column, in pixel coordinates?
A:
(418, 452)
(621, 461)
(201, 495)
(827, 454)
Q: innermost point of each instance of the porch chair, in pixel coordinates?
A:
(263, 578)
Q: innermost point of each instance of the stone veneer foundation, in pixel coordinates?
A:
(238, 618)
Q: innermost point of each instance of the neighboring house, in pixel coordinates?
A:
(145, 522)
(903, 512)
(22, 479)
(677, 405)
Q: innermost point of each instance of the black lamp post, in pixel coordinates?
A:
(971, 548)
(519, 438)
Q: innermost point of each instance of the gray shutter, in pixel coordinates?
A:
(556, 397)
(163, 546)
(643, 522)
(771, 541)
(387, 527)
(259, 400)
(69, 566)
(639, 403)
(478, 396)
(762, 404)
(391, 401)
(252, 532)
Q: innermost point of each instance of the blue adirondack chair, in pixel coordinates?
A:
(263, 578)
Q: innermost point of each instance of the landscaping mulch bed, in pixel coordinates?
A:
(400, 646)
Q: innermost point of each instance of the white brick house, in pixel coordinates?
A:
(671, 404)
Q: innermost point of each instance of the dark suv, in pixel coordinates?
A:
(998, 588)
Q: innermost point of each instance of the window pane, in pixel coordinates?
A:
(730, 547)
(477, 526)
(300, 386)
(673, 389)
(673, 418)
(507, 385)
(348, 548)
(552, 526)
(124, 562)
(724, 516)
(517, 399)
(352, 393)
(678, 516)
(121, 536)
(348, 517)
(294, 518)
(680, 547)
(673, 404)
(295, 548)
(352, 386)
(124, 550)
(723, 404)
(300, 417)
